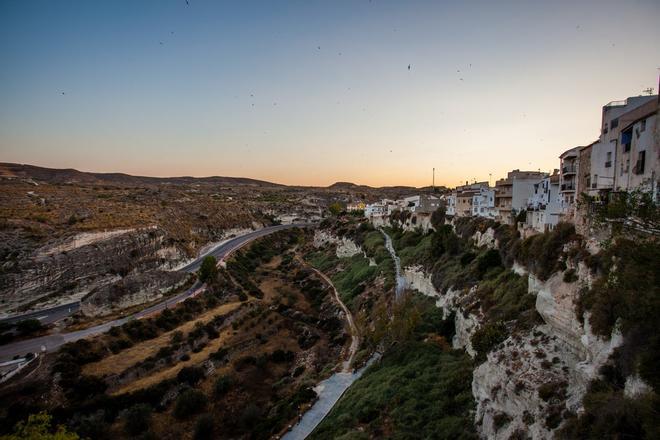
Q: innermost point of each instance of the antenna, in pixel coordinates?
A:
(433, 179)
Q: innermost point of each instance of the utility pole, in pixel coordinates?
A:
(433, 186)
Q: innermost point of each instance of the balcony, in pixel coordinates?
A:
(569, 169)
(568, 186)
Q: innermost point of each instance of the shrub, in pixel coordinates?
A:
(39, 427)
(190, 375)
(500, 420)
(438, 217)
(570, 276)
(204, 427)
(222, 385)
(137, 419)
(541, 252)
(488, 337)
(208, 270)
(29, 326)
(250, 416)
(188, 403)
(489, 259)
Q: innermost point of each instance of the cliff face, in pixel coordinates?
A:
(414, 222)
(124, 267)
(528, 382)
(346, 247)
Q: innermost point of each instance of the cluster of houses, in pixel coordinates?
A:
(625, 157)
(418, 204)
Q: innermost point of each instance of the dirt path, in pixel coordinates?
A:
(355, 338)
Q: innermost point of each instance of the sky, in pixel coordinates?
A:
(313, 92)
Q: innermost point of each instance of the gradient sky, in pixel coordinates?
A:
(242, 89)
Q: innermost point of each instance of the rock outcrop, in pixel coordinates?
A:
(346, 247)
(528, 383)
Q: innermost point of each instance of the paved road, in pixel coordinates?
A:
(45, 316)
(52, 342)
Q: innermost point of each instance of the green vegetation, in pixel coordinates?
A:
(208, 269)
(222, 385)
(419, 389)
(137, 419)
(189, 402)
(416, 390)
(39, 427)
(204, 427)
(609, 414)
(541, 253)
(487, 337)
(626, 212)
(352, 281)
(335, 209)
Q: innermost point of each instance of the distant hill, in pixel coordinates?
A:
(69, 175)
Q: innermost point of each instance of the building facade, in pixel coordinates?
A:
(513, 192)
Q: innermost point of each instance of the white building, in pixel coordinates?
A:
(483, 203)
(616, 116)
(544, 205)
(637, 156)
(375, 209)
(422, 203)
(513, 193)
(451, 204)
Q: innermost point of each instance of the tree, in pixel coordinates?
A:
(28, 326)
(188, 403)
(438, 217)
(38, 427)
(208, 270)
(222, 385)
(204, 427)
(137, 419)
(335, 209)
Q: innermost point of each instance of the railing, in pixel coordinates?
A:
(568, 187)
(569, 169)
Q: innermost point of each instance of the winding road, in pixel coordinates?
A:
(53, 342)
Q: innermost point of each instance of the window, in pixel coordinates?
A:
(642, 125)
(626, 139)
(639, 166)
(614, 123)
(608, 161)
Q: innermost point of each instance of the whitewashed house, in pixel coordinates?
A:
(483, 203)
(544, 205)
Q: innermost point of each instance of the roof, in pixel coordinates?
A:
(644, 116)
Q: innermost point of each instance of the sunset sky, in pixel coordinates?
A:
(313, 92)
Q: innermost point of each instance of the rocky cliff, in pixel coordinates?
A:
(531, 381)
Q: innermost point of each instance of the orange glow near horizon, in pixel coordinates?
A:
(313, 94)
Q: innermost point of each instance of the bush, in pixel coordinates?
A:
(570, 276)
(417, 390)
(204, 427)
(488, 337)
(489, 259)
(541, 252)
(137, 419)
(222, 385)
(190, 375)
(29, 326)
(188, 403)
(208, 270)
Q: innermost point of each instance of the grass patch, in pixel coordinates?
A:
(416, 391)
